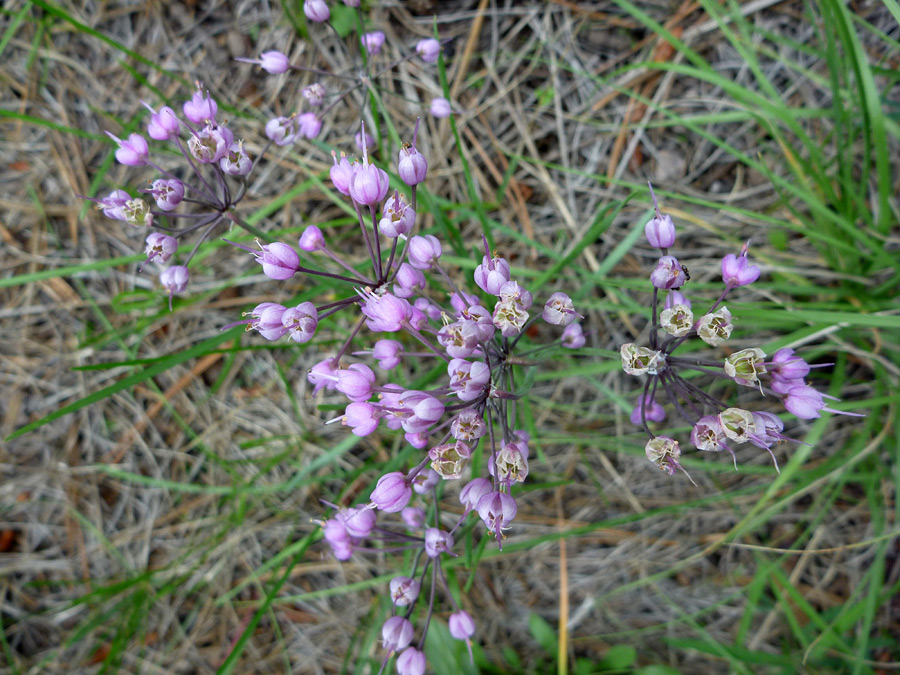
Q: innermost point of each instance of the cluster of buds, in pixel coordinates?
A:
(320, 97)
(715, 425)
(402, 317)
(211, 186)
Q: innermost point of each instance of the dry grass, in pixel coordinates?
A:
(70, 531)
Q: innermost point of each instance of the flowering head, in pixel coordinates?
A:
(664, 452)
(160, 247)
(236, 161)
(497, 510)
(282, 130)
(715, 328)
(314, 94)
(373, 42)
(398, 217)
(404, 591)
(559, 310)
(668, 273)
(437, 542)
(641, 360)
(301, 322)
(746, 365)
(737, 270)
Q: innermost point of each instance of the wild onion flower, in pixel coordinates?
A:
(716, 425)
(201, 192)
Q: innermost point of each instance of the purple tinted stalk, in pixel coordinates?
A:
(190, 160)
(377, 244)
(365, 232)
(347, 267)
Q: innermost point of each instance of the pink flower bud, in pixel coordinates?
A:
(373, 42)
(413, 516)
(359, 521)
(175, 280)
(392, 493)
(133, 152)
(660, 231)
(168, 193)
(737, 270)
(408, 281)
(491, 274)
(411, 661)
(356, 382)
(397, 633)
(573, 336)
(279, 261)
(311, 239)
(411, 165)
(387, 313)
(301, 322)
(282, 130)
(462, 627)
(804, 402)
(236, 161)
(424, 251)
(314, 94)
(363, 141)
(160, 247)
(369, 184)
(786, 365)
(655, 412)
(497, 510)
(440, 108)
(387, 353)
(267, 320)
(473, 491)
(559, 310)
(668, 273)
(323, 375)
(309, 125)
(274, 62)
(437, 542)
(201, 108)
(316, 10)
(163, 125)
(428, 49)
(404, 591)
(341, 174)
(361, 417)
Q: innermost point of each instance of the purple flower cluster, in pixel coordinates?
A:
(322, 98)
(213, 183)
(715, 425)
(407, 307)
